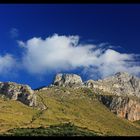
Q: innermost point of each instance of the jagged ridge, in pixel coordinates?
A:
(121, 84)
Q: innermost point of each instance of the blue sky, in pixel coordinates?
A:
(92, 40)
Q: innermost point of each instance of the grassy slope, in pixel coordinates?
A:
(78, 106)
(14, 114)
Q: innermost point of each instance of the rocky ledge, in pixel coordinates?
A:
(22, 93)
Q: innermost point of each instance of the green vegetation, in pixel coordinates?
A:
(67, 129)
(78, 106)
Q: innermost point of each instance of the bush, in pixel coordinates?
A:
(66, 129)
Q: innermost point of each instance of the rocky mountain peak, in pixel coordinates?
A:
(121, 83)
(67, 80)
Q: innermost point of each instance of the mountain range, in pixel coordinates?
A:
(106, 107)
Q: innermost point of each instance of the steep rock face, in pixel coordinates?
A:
(120, 84)
(70, 80)
(19, 92)
(123, 107)
(124, 89)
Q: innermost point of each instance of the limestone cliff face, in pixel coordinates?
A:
(71, 80)
(124, 88)
(121, 83)
(123, 107)
(19, 92)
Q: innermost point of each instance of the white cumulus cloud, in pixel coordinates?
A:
(7, 64)
(67, 53)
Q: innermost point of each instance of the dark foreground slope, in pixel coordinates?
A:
(66, 129)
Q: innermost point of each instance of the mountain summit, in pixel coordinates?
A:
(70, 80)
(121, 83)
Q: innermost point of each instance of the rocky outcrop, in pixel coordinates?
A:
(123, 107)
(71, 80)
(117, 92)
(91, 84)
(124, 89)
(121, 83)
(18, 92)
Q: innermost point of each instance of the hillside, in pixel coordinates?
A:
(77, 106)
(71, 107)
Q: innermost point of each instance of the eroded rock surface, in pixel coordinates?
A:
(123, 107)
(124, 89)
(71, 80)
(19, 92)
(121, 83)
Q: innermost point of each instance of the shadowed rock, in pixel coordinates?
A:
(18, 92)
(123, 107)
